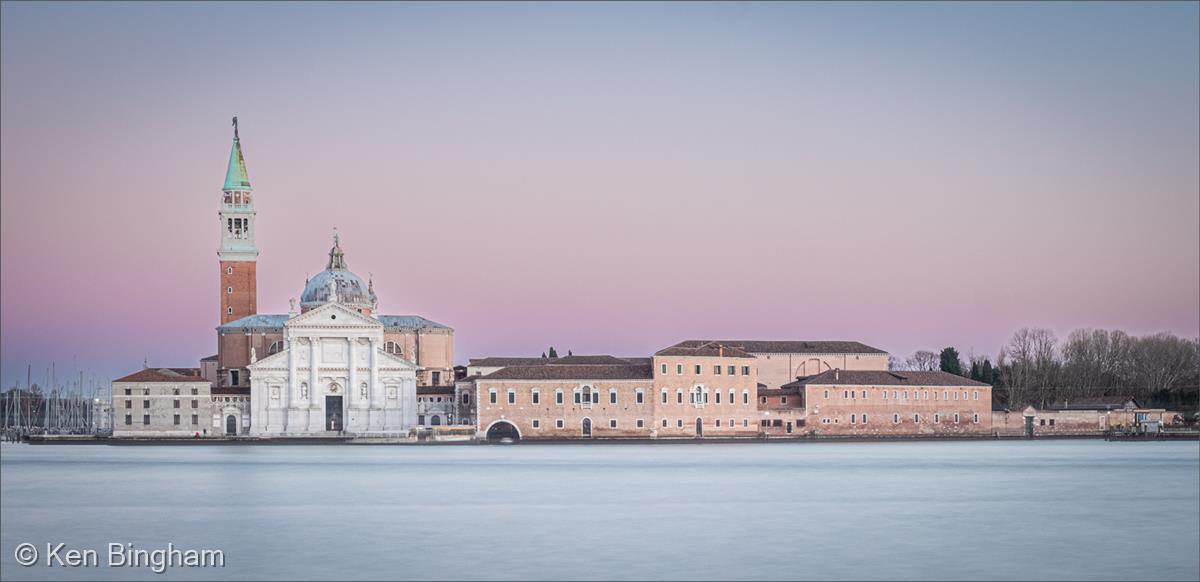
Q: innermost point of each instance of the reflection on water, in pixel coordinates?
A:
(944, 510)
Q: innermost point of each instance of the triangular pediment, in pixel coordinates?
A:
(386, 360)
(333, 315)
(275, 360)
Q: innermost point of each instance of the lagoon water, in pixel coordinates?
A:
(906, 510)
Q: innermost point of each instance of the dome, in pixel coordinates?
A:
(349, 288)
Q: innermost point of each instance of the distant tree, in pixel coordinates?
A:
(894, 363)
(976, 374)
(950, 362)
(543, 354)
(987, 373)
(553, 354)
(569, 353)
(922, 360)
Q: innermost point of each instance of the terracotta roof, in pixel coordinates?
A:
(505, 361)
(574, 372)
(881, 378)
(230, 391)
(164, 375)
(790, 347)
(763, 390)
(421, 390)
(1096, 403)
(705, 349)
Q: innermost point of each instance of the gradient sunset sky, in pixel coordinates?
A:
(605, 178)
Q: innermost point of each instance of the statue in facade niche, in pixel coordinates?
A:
(332, 291)
(253, 355)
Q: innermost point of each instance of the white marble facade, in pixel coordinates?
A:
(332, 377)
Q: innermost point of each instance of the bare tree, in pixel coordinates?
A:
(923, 360)
(1029, 367)
(1161, 362)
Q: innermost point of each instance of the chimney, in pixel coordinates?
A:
(721, 351)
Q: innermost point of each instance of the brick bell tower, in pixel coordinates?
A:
(238, 253)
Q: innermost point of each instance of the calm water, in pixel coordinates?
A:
(945, 510)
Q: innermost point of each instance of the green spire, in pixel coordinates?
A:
(236, 177)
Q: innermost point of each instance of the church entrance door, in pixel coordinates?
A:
(333, 413)
(231, 425)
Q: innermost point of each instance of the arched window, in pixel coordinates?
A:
(276, 347)
(393, 348)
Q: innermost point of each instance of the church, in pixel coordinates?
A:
(335, 366)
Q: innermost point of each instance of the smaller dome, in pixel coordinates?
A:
(350, 289)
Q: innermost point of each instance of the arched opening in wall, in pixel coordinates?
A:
(276, 347)
(587, 428)
(231, 425)
(435, 421)
(699, 426)
(501, 430)
(392, 348)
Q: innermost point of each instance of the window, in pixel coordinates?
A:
(745, 370)
(826, 395)
(853, 419)
(128, 404)
(145, 419)
(195, 419)
(895, 419)
(612, 423)
(537, 423)
(176, 403)
(229, 290)
(679, 368)
(935, 397)
(745, 422)
(718, 392)
(864, 419)
(176, 420)
(1041, 422)
(640, 423)
(392, 348)
(491, 397)
(175, 392)
(945, 395)
(437, 378)
(229, 311)
(731, 398)
(512, 396)
(663, 368)
(128, 419)
(925, 395)
(731, 370)
(536, 397)
(679, 423)
(639, 396)
(664, 396)
(679, 396)
(558, 397)
(916, 418)
(466, 398)
(975, 419)
(664, 423)
(745, 397)
(845, 394)
(612, 396)
(145, 404)
(885, 394)
(864, 394)
(128, 392)
(937, 418)
(905, 394)
(718, 425)
(228, 270)
(195, 391)
(975, 395)
(783, 399)
(717, 369)
(762, 400)
(1051, 421)
(955, 418)
(558, 423)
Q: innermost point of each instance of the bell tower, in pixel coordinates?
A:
(238, 253)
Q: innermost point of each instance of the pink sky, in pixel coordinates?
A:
(910, 178)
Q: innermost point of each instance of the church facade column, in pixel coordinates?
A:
(311, 399)
(293, 383)
(352, 389)
(373, 375)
